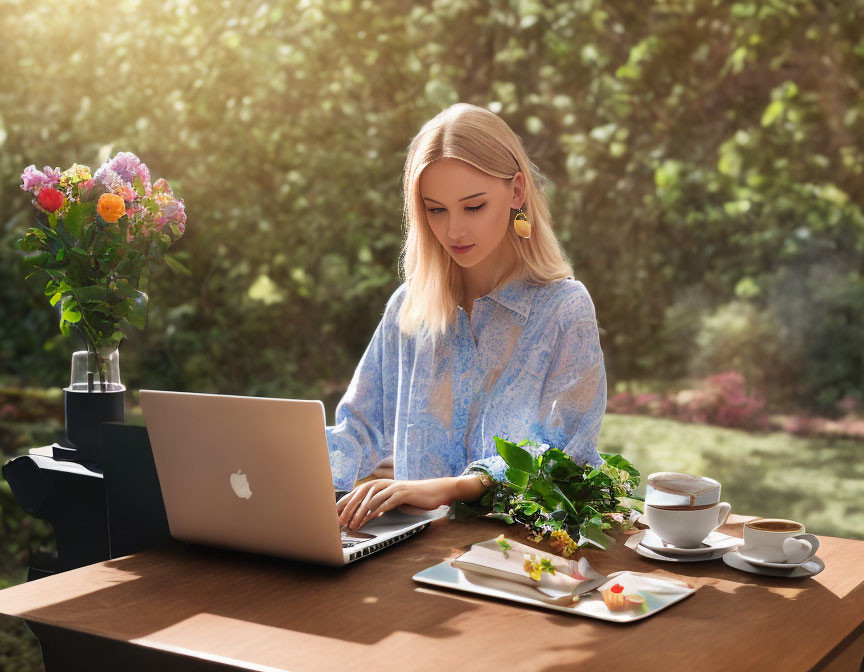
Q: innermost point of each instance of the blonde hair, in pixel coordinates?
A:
(481, 138)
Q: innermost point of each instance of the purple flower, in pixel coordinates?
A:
(33, 180)
(125, 164)
(144, 174)
(109, 179)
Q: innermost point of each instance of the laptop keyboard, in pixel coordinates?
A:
(354, 537)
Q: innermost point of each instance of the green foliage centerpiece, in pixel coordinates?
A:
(556, 498)
(94, 236)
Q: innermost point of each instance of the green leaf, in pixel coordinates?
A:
(513, 455)
(633, 503)
(134, 309)
(565, 501)
(38, 257)
(126, 327)
(73, 221)
(126, 289)
(551, 497)
(92, 293)
(56, 298)
(594, 534)
(71, 315)
(530, 508)
(517, 477)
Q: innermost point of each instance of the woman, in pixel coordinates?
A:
(490, 334)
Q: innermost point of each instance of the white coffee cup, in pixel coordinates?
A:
(778, 540)
(686, 528)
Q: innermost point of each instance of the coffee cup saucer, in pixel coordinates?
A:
(666, 557)
(764, 563)
(714, 542)
(808, 568)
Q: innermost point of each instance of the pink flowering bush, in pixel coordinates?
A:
(723, 399)
(850, 425)
(94, 236)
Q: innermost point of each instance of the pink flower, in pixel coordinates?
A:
(161, 185)
(33, 180)
(128, 193)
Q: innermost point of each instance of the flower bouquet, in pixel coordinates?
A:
(556, 498)
(94, 236)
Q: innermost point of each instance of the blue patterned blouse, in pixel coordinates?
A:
(527, 363)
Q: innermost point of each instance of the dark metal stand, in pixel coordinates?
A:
(69, 496)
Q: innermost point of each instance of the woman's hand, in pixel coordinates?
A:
(372, 498)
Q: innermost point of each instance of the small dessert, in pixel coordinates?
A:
(616, 600)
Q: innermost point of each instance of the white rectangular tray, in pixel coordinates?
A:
(663, 592)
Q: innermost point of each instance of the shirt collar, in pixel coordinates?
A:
(517, 296)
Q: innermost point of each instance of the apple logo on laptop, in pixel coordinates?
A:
(240, 484)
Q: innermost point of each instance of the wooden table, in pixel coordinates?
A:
(241, 611)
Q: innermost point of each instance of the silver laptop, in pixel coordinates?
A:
(253, 474)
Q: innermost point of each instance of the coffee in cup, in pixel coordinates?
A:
(686, 527)
(676, 490)
(778, 540)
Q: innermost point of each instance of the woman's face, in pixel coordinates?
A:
(465, 206)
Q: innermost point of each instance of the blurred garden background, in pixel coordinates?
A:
(706, 176)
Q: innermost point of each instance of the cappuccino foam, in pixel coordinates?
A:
(775, 525)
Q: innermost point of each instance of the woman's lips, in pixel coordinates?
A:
(460, 250)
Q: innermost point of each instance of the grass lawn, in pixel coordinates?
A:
(817, 481)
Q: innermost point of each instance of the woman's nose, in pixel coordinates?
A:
(456, 229)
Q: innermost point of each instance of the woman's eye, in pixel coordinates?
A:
(436, 211)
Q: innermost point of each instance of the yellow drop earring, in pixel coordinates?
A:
(522, 225)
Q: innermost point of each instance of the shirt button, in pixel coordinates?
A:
(521, 319)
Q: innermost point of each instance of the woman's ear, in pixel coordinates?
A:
(518, 199)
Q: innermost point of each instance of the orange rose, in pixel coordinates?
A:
(111, 207)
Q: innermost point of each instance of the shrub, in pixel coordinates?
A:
(721, 399)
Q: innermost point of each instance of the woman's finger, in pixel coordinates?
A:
(384, 501)
(342, 501)
(392, 501)
(373, 503)
(354, 498)
(363, 505)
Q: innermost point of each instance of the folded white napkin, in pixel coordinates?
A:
(571, 577)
